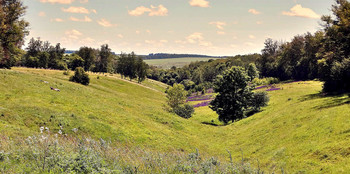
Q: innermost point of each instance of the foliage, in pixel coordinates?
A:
(176, 95)
(184, 111)
(88, 54)
(44, 55)
(334, 65)
(129, 65)
(80, 76)
(259, 100)
(74, 61)
(13, 29)
(252, 71)
(234, 95)
(265, 81)
(202, 73)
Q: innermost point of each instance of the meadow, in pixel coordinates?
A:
(301, 131)
(177, 62)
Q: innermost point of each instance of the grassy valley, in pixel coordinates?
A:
(177, 62)
(301, 131)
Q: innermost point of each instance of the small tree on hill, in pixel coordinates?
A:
(176, 95)
(234, 95)
(176, 98)
(80, 76)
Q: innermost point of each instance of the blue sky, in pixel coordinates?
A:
(212, 27)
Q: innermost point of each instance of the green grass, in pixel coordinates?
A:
(300, 131)
(178, 62)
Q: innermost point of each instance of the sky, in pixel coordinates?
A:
(208, 27)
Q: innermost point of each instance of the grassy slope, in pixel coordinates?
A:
(300, 131)
(178, 62)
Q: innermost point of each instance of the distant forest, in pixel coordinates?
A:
(167, 56)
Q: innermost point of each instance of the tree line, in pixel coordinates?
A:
(200, 75)
(324, 55)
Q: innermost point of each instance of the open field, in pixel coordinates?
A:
(178, 62)
(301, 130)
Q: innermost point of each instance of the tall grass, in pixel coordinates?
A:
(57, 153)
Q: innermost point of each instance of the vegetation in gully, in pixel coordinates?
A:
(284, 110)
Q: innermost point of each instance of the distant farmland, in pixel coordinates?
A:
(178, 62)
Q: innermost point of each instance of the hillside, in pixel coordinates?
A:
(177, 62)
(300, 131)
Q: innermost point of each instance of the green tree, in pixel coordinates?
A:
(89, 56)
(176, 95)
(80, 76)
(104, 59)
(75, 61)
(234, 95)
(252, 71)
(13, 29)
(141, 69)
(336, 48)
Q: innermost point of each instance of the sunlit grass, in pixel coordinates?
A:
(300, 131)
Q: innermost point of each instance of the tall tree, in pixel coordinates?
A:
(234, 95)
(336, 48)
(13, 29)
(89, 56)
(104, 58)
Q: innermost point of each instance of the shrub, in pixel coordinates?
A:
(259, 100)
(80, 76)
(176, 95)
(184, 111)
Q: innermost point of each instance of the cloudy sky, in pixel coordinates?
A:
(212, 27)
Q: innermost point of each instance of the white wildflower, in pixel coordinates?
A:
(41, 129)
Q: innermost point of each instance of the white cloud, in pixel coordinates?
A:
(76, 10)
(57, 20)
(120, 36)
(197, 38)
(220, 25)
(137, 32)
(94, 11)
(42, 14)
(73, 34)
(86, 19)
(199, 3)
(84, 1)
(153, 11)
(57, 1)
(253, 11)
(300, 11)
(251, 36)
(220, 33)
(157, 43)
(259, 22)
(105, 23)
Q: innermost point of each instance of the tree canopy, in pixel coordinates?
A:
(13, 29)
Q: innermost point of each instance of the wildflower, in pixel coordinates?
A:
(41, 129)
(60, 132)
(75, 130)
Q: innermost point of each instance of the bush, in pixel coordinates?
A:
(259, 100)
(80, 76)
(265, 81)
(176, 95)
(184, 111)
